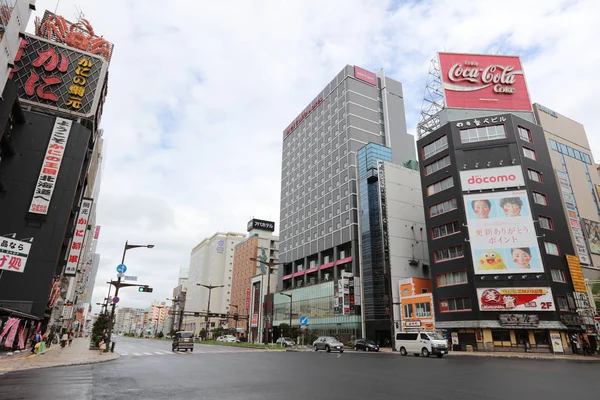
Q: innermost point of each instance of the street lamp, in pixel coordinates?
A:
(236, 312)
(210, 289)
(178, 302)
(270, 266)
(118, 285)
(290, 296)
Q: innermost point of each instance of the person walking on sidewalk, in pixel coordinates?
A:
(49, 339)
(36, 339)
(64, 339)
(70, 337)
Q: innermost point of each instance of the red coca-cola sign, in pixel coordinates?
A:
(484, 81)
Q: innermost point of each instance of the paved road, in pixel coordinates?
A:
(235, 375)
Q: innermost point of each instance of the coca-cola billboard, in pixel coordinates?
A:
(484, 81)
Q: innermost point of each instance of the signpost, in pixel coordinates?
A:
(121, 268)
(303, 320)
(130, 278)
(115, 300)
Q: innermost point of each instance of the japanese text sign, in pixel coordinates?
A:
(247, 299)
(13, 254)
(365, 76)
(492, 178)
(50, 166)
(78, 237)
(576, 273)
(518, 299)
(484, 82)
(261, 224)
(501, 232)
(55, 76)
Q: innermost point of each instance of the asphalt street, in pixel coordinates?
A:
(214, 372)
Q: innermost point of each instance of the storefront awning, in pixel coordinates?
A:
(15, 313)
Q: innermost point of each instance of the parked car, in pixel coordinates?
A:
(230, 339)
(423, 343)
(285, 342)
(183, 340)
(366, 345)
(220, 339)
(328, 344)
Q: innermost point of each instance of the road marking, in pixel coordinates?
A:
(124, 354)
(148, 354)
(158, 353)
(136, 354)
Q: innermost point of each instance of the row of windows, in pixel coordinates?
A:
(571, 152)
(443, 207)
(440, 186)
(482, 134)
(445, 230)
(437, 165)
(423, 310)
(449, 253)
(460, 277)
(435, 147)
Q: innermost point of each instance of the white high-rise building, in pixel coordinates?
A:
(211, 263)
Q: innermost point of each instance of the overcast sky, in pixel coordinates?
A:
(200, 92)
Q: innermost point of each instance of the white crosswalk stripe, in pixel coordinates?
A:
(188, 353)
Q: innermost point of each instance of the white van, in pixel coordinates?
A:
(421, 343)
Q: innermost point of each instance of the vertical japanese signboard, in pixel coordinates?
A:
(50, 167)
(576, 273)
(13, 254)
(344, 297)
(248, 293)
(78, 237)
(573, 217)
(502, 235)
(58, 77)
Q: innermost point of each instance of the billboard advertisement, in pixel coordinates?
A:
(365, 76)
(502, 236)
(261, 224)
(50, 167)
(57, 77)
(78, 237)
(576, 273)
(592, 233)
(344, 295)
(581, 246)
(479, 81)
(491, 178)
(516, 299)
(13, 254)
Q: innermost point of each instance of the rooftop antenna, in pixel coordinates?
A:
(79, 14)
(56, 8)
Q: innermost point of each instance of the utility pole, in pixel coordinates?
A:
(290, 296)
(270, 265)
(207, 318)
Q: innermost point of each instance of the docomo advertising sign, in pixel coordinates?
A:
(302, 116)
(492, 178)
(78, 237)
(365, 76)
(13, 254)
(501, 233)
(50, 167)
(484, 81)
(517, 299)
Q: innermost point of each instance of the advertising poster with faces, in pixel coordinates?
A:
(502, 235)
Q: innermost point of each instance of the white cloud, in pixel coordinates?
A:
(200, 92)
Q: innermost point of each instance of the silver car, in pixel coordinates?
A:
(328, 344)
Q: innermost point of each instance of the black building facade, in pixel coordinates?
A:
(26, 294)
(516, 292)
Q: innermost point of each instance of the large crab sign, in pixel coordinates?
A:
(79, 35)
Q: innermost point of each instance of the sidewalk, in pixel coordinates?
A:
(77, 354)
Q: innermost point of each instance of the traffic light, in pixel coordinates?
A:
(145, 289)
(236, 316)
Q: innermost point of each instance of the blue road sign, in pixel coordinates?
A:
(121, 268)
(115, 299)
(303, 320)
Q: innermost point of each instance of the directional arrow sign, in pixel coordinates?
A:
(121, 268)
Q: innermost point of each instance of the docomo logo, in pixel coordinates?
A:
(477, 179)
(303, 116)
(499, 75)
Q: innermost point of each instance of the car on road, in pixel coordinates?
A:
(220, 339)
(183, 340)
(285, 342)
(421, 344)
(366, 345)
(230, 339)
(328, 344)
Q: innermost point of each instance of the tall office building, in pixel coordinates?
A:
(319, 235)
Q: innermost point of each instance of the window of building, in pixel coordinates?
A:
(540, 198)
(455, 304)
(563, 303)
(541, 337)
(440, 186)
(423, 310)
(558, 275)
(443, 207)
(437, 165)
(424, 290)
(445, 230)
(546, 222)
(342, 254)
(435, 147)
(501, 336)
(525, 135)
(551, 248)
(482, 134)
(534, 175)
(452, 278)
(449, 253)
(408, 311)
(527, 152)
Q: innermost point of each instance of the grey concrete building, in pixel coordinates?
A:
(319, 235)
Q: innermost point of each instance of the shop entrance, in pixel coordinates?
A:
(467, 339)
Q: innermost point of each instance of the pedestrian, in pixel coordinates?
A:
(574, 344)
(42, 345)
(49, 339)
(64, 339)
(587, 350)
(102, 346)
(36, 339)
(70, 337)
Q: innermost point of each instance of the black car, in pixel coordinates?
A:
(366, 345)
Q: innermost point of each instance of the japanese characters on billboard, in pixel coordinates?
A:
(78, 237)
(516, 299)
(50, 167)
(480, 81)
(58, 77)
(344, 295)
(502, 236)
(491, 178)
(592, 233)
(365, 76)
(13, 254)
(581, 246)
(576, 273)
